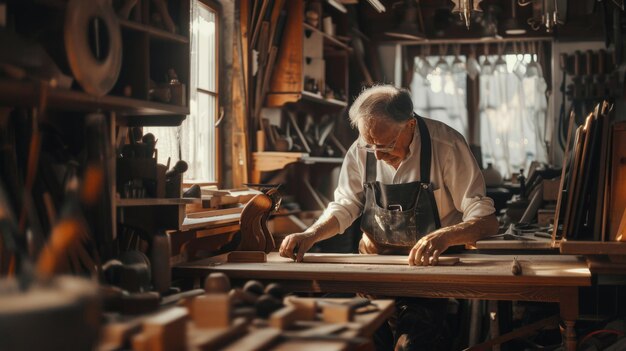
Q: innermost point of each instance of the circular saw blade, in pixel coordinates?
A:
(97, 76)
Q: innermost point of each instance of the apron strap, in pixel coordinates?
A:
(370, 168)
(426, 150)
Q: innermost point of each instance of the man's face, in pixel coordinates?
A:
(389, 139)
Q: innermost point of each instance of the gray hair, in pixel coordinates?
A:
(382, 101)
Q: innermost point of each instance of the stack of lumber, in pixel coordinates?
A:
(592, 200)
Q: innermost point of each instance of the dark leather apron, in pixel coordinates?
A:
(396, 216)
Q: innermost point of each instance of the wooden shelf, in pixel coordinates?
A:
(154, 32)
(26, 94)
(328, 39)
(272, 160)
(156, 202)
(318, 98)
(209, 222)
(280, 99)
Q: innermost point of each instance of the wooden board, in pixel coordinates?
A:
(535, 243)
(580, 180)
(618, 180)
(369, 259)
(563, 191)
(214, 213)
(598, 224)
(199, 223)
(493, 270)
(572, 179)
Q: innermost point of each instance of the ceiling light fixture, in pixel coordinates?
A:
(465, 8)
(408, 29)
(512, 26)
(548, 13)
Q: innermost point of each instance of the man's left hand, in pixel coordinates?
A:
(427, 250)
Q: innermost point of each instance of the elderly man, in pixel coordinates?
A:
(418, 190)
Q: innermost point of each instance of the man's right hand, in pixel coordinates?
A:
(300, 242)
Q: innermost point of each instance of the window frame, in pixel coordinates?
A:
(216, 8)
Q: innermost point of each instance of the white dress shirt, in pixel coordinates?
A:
(455, 175)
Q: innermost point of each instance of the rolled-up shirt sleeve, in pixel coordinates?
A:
(466, 184)
(349, 195)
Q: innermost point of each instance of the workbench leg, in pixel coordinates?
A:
(569, 313)
(570, 336)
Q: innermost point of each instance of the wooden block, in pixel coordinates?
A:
(257, 340)
(167, 330)
(551, 189)
(544, 217)
(247, 257)
(211, 311)
(144, 341)
(115, 335)
(283, 318)
(213, 339)
(306, 309)
(337, 313)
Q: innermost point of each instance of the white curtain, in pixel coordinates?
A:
(442, 95)
(512, 114)
(512, 111)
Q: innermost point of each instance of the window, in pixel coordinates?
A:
(439, 92)
(512, 112)
(512, 106)
(195, 141)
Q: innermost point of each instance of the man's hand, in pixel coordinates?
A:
(428, 248)
(302, 242)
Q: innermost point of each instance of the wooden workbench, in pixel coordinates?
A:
(545, 278)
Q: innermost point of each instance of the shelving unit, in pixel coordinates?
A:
(288, 80)
(153, 51)
(148, 52)
(306, 55)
